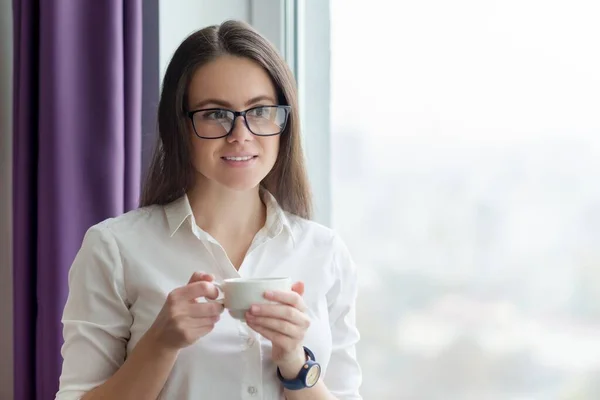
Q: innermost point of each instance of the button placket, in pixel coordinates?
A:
(251, 362)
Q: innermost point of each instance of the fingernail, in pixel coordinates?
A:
(254, 309)
(268, 293)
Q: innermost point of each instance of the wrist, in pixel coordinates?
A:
(290, 368)
(152, 342)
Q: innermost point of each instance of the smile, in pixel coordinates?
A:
(245, 158)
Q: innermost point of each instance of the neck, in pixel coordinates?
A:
(223, 212)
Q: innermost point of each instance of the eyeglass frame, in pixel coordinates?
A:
(236, 114)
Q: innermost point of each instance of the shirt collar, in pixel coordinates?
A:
(277, 220)
(180, 211)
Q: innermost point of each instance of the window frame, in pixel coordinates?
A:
(306, 49)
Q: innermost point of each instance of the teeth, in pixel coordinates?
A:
(239, 158)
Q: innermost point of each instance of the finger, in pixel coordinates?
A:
(213, 295)
(201, 288)
(282, 312)
(280, 326)
(276, 338)
(298, 287)
(286, 297)
(202, 310)
(201, 276)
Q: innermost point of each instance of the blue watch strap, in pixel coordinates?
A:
(300, 381)
(309, 354)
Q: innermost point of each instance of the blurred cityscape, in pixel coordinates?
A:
(470, 199)
(479, 267)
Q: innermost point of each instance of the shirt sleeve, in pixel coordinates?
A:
(343, 376)
(96, 319)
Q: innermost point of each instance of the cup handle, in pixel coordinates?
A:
(220, 300)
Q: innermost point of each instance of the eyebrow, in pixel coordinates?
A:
(224, 103)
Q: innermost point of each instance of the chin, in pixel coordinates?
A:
(240, 185)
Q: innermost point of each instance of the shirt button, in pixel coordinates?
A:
(250, 342)
(252, 390)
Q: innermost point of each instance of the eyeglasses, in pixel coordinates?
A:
(216, 123)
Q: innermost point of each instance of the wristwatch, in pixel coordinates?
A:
(307, 377)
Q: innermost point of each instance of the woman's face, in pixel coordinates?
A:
(241, 160)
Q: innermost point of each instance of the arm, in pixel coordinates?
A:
(285, 324)
(97, 325)
(343, 376)
(142, 376)
(181, 322)
(317, 392)
(96, 322)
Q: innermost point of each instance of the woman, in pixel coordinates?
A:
(227, 195)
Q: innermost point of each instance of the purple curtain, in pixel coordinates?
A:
(77, 147)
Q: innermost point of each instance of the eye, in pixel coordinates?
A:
(215, 115)
(260, 112)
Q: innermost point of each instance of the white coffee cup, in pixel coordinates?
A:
(239, 294)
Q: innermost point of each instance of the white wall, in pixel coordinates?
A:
(6, 326)
(179, 18)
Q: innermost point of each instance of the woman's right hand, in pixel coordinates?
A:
(182, 320)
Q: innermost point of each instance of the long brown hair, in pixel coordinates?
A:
(171, 172)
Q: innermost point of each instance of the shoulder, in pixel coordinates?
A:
(321, 238)
(145, 221)
(104, 242)
(306, 230)
(131, 221)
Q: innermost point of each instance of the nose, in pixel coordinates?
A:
(239, 132)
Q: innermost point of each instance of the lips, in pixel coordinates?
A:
(239, 158)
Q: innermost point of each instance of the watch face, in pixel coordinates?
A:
(312, 377)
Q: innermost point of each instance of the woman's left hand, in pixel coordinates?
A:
(285, 325)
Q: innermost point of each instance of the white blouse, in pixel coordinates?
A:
(127, 265)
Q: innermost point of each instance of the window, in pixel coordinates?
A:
(465, 155)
